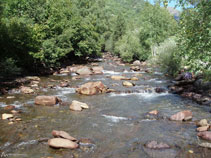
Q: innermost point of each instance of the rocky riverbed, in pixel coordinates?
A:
(103, 109)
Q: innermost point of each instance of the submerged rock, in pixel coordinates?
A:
(205, 145)
(156, 145)
(62, 143)
(63, 134)
(78, 106)
(46, 100)
(205, 135)
(160, 90)
(127, 84)
(92, 88)
(182, 116)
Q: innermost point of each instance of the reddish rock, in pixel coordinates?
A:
(205, 135)
(27, 90)
(9, 107)
(46, 100)
(154, 112)
(202, 129)
(97, 70)
(181, 116)
(78, 106)
(92, 88)
(84, 71)
(118, 77)
(63, 134)
(135, 68)
(62, 143)
(156, 145)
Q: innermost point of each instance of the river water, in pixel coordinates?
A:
(116, 123)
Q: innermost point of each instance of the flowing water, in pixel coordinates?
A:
(116, 123)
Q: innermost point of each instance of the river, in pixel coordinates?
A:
(116, 123)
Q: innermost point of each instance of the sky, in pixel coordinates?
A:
(171, 4)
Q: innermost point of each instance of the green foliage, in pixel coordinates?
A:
(167, 57)
(8, 68)
(195, 37)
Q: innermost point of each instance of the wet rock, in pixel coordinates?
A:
(202, 123)
(64, 84)
(135, 68)
(15, 112)
(11, 97)
(134, 79)
(92, 88)
(110, 90)
(78, 106)
(137, 63)
(26, 90)
(6, 116)
(127, 84)
(86, 141)
(63, 134)
(94, 64)
(202, 129)
(205, 135)
(46, 100)
(33, 78)
(97, 70)
(84, 71)
(64, 71)
(9, 107)
(76, 77)
(62, 143)
(159, 90)
(205, 145)
(182, 116)
(156, 145)
(118, 77)
(153, 112)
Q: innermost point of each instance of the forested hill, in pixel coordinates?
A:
(37, 34)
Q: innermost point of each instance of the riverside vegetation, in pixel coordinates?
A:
(44, 33)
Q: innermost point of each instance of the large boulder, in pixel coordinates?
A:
(92, 88)
(182, 116)
(97, 69)
(63, 134)
(205, 135)
(46, 100)
(62, 143)
(26, 90)
(84, 71)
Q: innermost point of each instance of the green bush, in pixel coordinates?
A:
(167, 57)
(8, 68)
